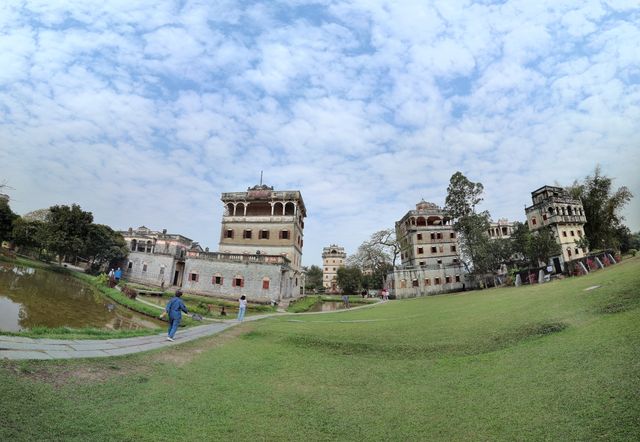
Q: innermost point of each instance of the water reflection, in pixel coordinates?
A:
(35, 297)
(327, 306)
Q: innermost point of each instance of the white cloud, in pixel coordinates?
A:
(144, 112)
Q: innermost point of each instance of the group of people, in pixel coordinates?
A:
(175, 307)
(114, 277)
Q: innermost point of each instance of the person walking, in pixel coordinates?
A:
(174, 309)
(345, 300)
(242, 307)
(118, 275)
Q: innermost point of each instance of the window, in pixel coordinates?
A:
(439, 236)
(326, 269)
(144, 267)
(265, 284)
(420, 250)
(580, 233)
(246, 234)
(333, 269)
(441, 249)
(193, 277)
(577, 251)
(238, 281)
(403, 284)
(439, 261)
(436, 281)
(569, 252)
(455, 260)
(161, 270)
(130, 265)
(284, 234)
(419, 236)
(564, 233)
(452, 235)
(453, 248)
(217, 280)
(434, 249)
(544, 216)
(573, 233)
(533, 221)
(414, 283)
(421, 263)
(264, 234)
(433, 236)
(447, 279)
(427, 281)
(457, 278)
(228, 233)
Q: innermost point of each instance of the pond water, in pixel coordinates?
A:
(36, 297)
(327, 306)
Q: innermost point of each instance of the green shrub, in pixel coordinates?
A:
(633, 252)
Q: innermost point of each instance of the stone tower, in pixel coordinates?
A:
(264, 221)
(555, 208)
(332, 259)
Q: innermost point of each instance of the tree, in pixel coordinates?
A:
(28, 234)
(379, 252)
(104, 245)
(475, 245)
(349, 279)
(601, 206)
(6, 220)
(536, 246)
(66, 230)
(313, 279)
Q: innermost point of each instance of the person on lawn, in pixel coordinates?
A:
(174, 309)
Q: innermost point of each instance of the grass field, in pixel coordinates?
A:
(547, 362)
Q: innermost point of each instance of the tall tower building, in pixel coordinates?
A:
(427, 237)
(264, 221)
(555, 208)
(430, 254)
(332, 259)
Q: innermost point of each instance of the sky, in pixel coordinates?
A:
(144, 112)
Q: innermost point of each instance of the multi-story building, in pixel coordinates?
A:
(156, 257)
(260, 253)
(502, 229)
(553, 207)
(333, 258)
(264, 221)
(430, 254)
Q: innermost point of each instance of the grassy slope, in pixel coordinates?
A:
(545, 362)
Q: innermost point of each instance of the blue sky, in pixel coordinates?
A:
(145, 112)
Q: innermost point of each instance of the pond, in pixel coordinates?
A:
(36, 297)
(327, 306)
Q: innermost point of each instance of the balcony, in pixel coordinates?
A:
(240, 257)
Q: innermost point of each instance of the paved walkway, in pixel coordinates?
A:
(17, 347)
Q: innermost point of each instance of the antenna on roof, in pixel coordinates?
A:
(261, 178)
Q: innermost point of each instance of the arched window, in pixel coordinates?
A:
(265, 283)
(421, 221)
(289, 208)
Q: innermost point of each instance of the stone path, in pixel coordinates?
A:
(17, 347)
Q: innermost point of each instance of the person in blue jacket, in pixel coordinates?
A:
(174, 309)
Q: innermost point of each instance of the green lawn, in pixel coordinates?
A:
(548, 362)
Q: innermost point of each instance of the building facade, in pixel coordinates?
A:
(553, 207)
(263, 221)
(260, 250)
(502, 229)
(333, 257)
(429, 252)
